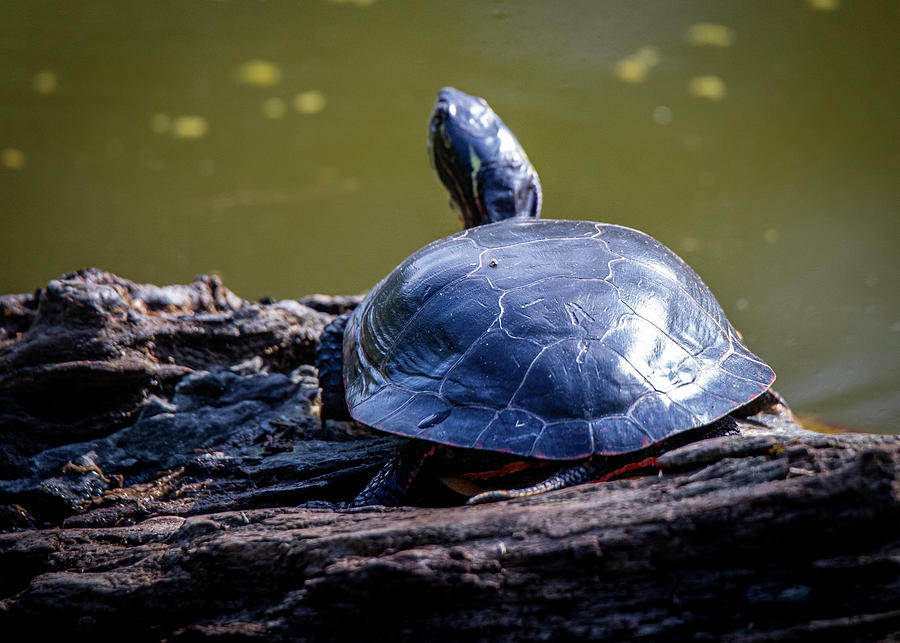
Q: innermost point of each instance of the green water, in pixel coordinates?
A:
(139, 137)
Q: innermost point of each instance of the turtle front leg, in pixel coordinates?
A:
(330, 362)
(391, 483)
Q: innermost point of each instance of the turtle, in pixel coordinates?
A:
(568, 349)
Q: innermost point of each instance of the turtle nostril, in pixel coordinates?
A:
(444, 109)
(441, 111)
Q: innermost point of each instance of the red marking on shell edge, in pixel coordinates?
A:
(505, 470)
(753, 397)
(412, 476)
(646, 463)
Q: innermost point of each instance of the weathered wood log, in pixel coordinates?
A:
(79, 358)
(171, 512)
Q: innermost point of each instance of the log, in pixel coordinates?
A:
(160, 501)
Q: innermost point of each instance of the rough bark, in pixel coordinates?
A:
(156, 442)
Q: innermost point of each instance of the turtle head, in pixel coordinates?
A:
(480, 162)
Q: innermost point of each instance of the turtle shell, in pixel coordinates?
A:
(545, 338)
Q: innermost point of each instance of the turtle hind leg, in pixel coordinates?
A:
(391, 483)
(596, 469)
(605, 468)
(330, 362)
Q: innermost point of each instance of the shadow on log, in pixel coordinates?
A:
(155, 443)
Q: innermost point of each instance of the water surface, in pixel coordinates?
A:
(282, 146)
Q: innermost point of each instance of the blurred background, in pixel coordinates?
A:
(281, 145)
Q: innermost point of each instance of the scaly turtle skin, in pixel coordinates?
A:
(588, 344)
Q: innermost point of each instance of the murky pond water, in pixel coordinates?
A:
(282, 145)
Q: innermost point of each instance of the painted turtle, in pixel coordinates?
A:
(590, 345)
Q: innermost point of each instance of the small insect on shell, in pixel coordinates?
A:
(492, 263)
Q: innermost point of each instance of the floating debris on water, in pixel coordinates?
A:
(184, 126)
(771, 235)
(274, 108)
(355, 3)
(662, 115)
(13, 158)
(634, 68)
(259, 73)
(707, 34)
(741, 304)
(631, 70)
(708, 87)
(692, 141)
(649, 55)
(690, 244)
(824, 5)
(45, 82)
(311, 102)
(160, 123)
(189, 127)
